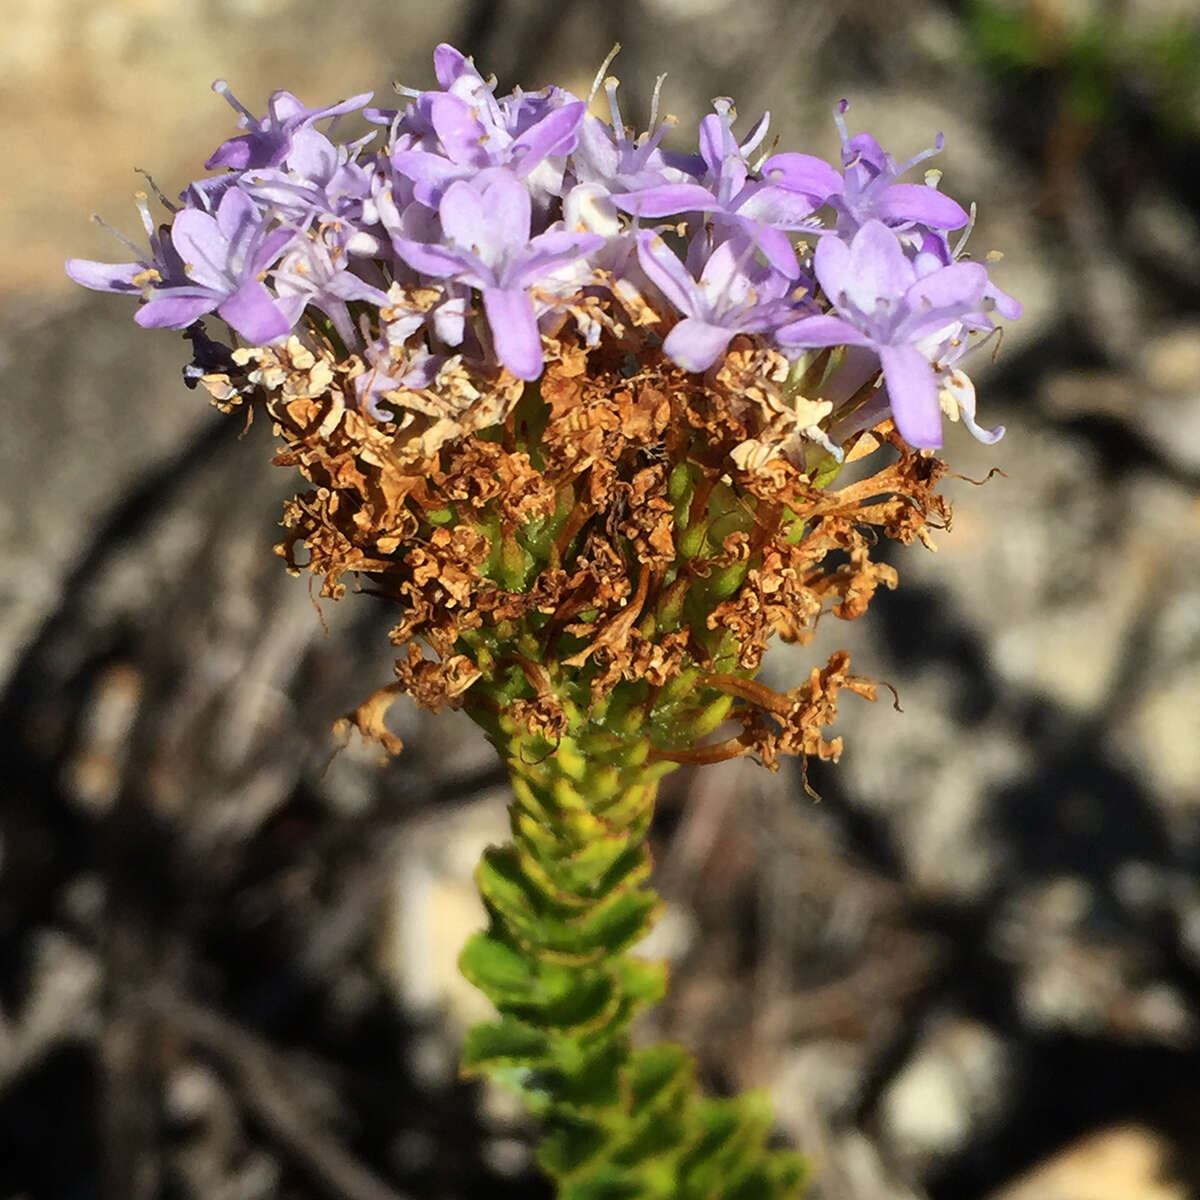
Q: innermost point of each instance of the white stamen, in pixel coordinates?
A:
(966, 233)
(598, 82)
(655, 98)
(222, 89)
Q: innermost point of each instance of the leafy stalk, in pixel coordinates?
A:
(567, 899)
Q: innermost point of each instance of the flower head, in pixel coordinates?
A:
(475, 234)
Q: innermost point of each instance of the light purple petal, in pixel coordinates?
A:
(803, 173)
(514, 330)
(912, 388)
(462, 214)
(459, 130)
(717, 144)
(878, 267)
(695, 345)
(252, 312)
(176, 310)
(667, 273)
(508, 209)
(831, 265)
(809, 333)
(269, 252)
(553, 133)
(286, 107)
(774, 245)
(430, 173)
(961, 283)
(667, 199)
(597, 149)
(777, 206)
(439, 262)
(449, 64)
(345, 285)
(1006, 305)
(202, 247)
(236, 214)
(104, 277)
(236, 152)
(312, 155)
(925, 205)
(547, 252)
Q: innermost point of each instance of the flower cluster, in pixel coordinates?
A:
(448, 259)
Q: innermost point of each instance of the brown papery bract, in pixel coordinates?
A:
(620, 528)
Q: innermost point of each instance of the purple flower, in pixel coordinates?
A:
(319, 180)
(884, 304)
(163, 266)
(391, 369)
(521, 136)
(268, 139)
(486, 244)
(732, 295)
(314, 274)
(726, 195)
(869, 191)
(608, 158)
(224, 258)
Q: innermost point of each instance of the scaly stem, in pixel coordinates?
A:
(567, 899)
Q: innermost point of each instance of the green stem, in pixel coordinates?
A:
(567, 898)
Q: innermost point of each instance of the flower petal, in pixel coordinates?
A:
(202, 247)
(442, 262)
(667, 273)
(804, 174)
(810, 333)
(912, 389)
(695, 345)
(554, 133)
(252, 312)
(104, 277)
(878, 267)
(667, 199)
(922, 204)
(462, 214)
(176, 309)
(514, 330)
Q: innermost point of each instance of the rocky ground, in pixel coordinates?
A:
(971, 971)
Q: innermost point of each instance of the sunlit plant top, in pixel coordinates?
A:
(576, 404)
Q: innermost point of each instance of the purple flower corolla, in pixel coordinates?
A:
(869, 191)
(391, 369)
(320, 180)
(485, 226)
(884, 304)
(608, 157)
(224, 257)
(726, 195)
(732, 295)
(314, 274)
(163, 266)
(454, 133)
(521, 137)
(935, 252)
(268, 139)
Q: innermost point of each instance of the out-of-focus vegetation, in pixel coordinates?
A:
(1103, 59)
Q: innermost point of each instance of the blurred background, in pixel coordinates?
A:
(971, 971)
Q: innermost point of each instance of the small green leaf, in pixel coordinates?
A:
(654, 1071)
(497, 969)
(569, 1146)
(503, 1043)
